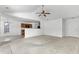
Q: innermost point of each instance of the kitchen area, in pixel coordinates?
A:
(30, 29)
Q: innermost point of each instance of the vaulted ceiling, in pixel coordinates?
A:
(18, 8)
(57, 11)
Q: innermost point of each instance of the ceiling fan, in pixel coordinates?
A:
(43, 12)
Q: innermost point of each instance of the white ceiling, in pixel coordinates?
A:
(18, 8)
(57, 11)
(63, 11)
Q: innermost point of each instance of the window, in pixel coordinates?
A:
(6, 27)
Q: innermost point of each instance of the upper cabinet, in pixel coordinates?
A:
(23, 25)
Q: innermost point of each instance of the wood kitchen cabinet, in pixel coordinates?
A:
(23, 25)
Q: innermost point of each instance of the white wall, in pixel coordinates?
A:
(52, 27)
(61, 27)
(71, 27)
(13, 25)
(0, 24)
(32, 32)
(25, 15)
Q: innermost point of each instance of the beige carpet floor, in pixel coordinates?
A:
(42, 45)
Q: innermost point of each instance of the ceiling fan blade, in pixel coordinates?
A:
(47, 13)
